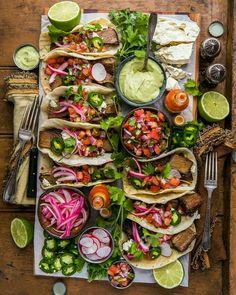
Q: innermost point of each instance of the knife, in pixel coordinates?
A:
(33, 164)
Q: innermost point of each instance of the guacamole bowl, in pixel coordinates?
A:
(137, 87)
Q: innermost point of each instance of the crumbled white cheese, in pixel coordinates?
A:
(171, 83)
(127, 245)
(53, 103)
(45, 182)
(102, 106)
(176, 73)
(175, 55)
(64, 135)
(171, 30)
(95, 34)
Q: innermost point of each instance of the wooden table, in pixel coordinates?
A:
(20, 23)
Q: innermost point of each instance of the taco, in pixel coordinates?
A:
(145, 249)
(173, 173)
(52, 175)
(61, 68)
(84, 103)
(74, 144)
(170, 218)
(95, 38)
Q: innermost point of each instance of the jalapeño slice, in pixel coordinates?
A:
(57, 145)
(96, 42)
(95, 99)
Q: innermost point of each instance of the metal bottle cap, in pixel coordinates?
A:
(210, 48)
(59, 288)
(216, 73)
(216, 29)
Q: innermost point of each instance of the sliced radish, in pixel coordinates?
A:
(103, 252)
(86, 242)
(96, 241)
(90, 250)
(166, 249)
(93, 257)
(87, 235)
(98, 72)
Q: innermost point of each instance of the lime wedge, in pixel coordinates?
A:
(22, 232)
(169, 276)
(213, 106)
(65, 15)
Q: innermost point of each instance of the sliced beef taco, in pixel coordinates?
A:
(170, 218)
(52, 175)
(84, 103)
(145, 249)
(61, 68)
(95, 38)
(175, 172)
(74, 144)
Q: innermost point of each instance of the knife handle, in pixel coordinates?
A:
(32, 178)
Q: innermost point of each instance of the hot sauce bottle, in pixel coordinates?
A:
(99, 197)
(176, 101)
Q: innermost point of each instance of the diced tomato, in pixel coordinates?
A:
(157, 149)
(161, 116)
(113, 270)
(154, 188)
(139, 113)
(154, 125)
(81, 134)
(86, 177)
(48, 71)
(165, 186)
(84, 92)
(154, 134)
(99, 143)
(80, 175)
(73, 46)
(155, 181)
(83, 46)
(146, 152)
(131, 128)
(51, 61)
(71, 111)
(86, 71)
(174, 181)
(138, 152)
(167, 221)
(149, 218)
(86, 141)
(70, 62)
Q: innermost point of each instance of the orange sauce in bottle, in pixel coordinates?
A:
(99, 197)
(176, 101)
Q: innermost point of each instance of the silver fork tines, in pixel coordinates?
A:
(210, 183)
(26, 132)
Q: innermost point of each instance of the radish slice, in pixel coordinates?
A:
(165, 249)
(101, 235)
(86, 242)
(98, 72)
(103, 252)
(96, 241)
(93, 257)
(90, 250)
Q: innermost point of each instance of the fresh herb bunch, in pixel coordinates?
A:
(120, 207)
(192, 88)
(132, 27)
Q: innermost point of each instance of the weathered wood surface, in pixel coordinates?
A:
(20, 22)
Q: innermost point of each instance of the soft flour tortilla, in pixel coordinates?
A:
(60, 91)
(46, 165)
(45, 41)
(44, 78)
(74, 160)
(161, 260)
(186, 221)
(150, 197)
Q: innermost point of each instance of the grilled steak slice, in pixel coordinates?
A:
(45, 137)
(109, 64)
(191, 203)
(187, 176)
(127, 228)
(107, 146)
(182, 240)
(109, 36)
(57, 82)
(180, 163)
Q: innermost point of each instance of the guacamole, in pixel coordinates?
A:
(139, 86)
(27, 57)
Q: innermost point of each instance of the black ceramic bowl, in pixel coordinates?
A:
(50, 229)
(130, 114)
(126, 99)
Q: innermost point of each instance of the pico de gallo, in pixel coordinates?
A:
(83, 106)
(120, 274)
(145, 133)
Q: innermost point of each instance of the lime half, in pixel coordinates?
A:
(169, 276)
(213, 106)
(65, 15)
(22, 232)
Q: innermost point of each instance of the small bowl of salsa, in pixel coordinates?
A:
(26, 57)
(137, 87)
(120, 274)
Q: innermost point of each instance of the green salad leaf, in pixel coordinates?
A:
(166, 171)
(191, 88)
(112, 122)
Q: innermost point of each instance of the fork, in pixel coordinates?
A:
(26, 132)
(210, 183)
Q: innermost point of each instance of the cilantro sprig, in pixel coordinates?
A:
(191, 88)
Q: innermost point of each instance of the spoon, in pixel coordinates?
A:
(152, 22)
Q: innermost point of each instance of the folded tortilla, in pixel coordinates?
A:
(150, 197)
(60, 91)
(45, 41)
(46, 165)
(160, 261)
(74, 160)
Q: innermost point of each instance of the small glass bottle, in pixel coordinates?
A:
(99, 197)
(176, 101)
